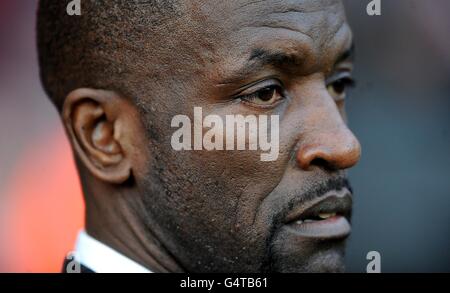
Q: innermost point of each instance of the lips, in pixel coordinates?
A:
(327, 217)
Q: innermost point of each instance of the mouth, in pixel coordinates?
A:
(327, 217)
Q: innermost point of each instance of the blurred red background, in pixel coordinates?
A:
(400, 113)
(47, 203)
(41, 208)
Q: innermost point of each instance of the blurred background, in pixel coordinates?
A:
(400, 111)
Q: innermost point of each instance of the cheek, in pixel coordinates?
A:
(230, 176)
(210, 200)
(228, 184)
(225, 186)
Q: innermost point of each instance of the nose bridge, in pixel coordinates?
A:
(327, 141)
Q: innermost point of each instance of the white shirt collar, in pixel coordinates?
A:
(101, 258)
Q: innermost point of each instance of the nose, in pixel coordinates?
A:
(335, 151)
(328, 143)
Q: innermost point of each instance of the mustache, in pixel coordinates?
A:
(313, 193)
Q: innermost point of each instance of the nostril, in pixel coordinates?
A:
(321, 162)
(329, 158)
(313, 156)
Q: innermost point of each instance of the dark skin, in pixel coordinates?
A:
(222, 211)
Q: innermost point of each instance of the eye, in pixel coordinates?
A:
(265, 97)
(338, 88)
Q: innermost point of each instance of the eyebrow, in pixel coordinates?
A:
(280, 59)
(261, 58)
(265, 57)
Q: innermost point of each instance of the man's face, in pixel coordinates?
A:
(229, 211)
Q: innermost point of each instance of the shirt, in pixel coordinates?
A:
(101, 258)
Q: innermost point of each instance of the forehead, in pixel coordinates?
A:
(313, 30)
(314, 18)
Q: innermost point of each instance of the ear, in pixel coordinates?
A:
(96, 121)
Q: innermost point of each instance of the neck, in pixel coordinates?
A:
(121, 227)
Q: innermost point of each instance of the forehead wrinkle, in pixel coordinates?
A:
(319, 25)
(295, 21)
(293, 13)
(285, 55)
(246, 13)
(303, 33)
(287, 5)
(296, 53)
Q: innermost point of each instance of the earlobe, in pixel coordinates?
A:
(92, 120)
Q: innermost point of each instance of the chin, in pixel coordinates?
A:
(310, 257)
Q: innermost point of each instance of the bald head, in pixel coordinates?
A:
(97, 48)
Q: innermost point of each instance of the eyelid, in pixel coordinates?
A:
(341, 75)
(257, 86)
